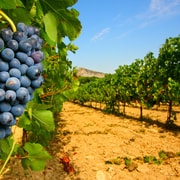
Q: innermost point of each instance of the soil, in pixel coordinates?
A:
(92, 145)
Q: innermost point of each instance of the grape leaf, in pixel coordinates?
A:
(10, 4)
(25, 122)
(5, 147)
(44, 118)
(57, 4)
(51, 26)
(36, 158)
(68, 23)
(16, 15)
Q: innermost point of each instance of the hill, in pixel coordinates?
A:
(89, 73)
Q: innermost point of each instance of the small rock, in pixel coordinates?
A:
(143, 168)
(100, 175)
(132, 167)
(153, 130)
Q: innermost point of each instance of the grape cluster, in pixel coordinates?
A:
(20, 72)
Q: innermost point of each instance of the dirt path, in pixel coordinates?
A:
(107, 147)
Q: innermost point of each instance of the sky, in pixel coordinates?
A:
(117, 32)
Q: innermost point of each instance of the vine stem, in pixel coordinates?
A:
(9, 20)
(9, 155)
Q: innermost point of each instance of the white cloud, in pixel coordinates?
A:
(159, 9)
(164, 7)
(155, 11)
(100, 34)
(155, 4)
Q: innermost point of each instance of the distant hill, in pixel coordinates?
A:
(89, 73)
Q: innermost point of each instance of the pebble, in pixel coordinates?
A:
(100, 175)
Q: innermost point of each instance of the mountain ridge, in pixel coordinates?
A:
(89, 73)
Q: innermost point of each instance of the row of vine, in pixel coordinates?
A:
(149, 81)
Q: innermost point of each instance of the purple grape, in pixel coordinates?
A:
(7, 54)
(13, 83)
(40, 66)
(36, 31)
(33, 72)
(26, 100)
(6, 118)
(30, 61)
(13, 44)
(5, 106)
(37, 82)
(22, 93)
(25, 46)
(30, 30)
(21, 27)
(10, 96)
(33, 42)
(17, 110)
(12, 123)
(2, 94)
(21, 56)
(38, 56)
(14, 72)
(25, 81)
(4, 66)
(15, 63)
(23, 69)
(4, 75)
(19, 36)
(6, 34)
(39, 41)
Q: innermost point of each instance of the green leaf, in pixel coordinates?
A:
(10, 4)
(36, 158)
(69, 25)
(51, 25)
(16, 16)
(57, 4)
(42, 106)
(44, 118)
(25, 122)
(33, 105)
(5, 147)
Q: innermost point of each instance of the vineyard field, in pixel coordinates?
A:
(108, 147)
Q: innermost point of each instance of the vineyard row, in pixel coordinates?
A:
(150, 81)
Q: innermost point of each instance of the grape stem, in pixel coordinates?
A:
(9, 20)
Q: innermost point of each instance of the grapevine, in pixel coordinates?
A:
(53, 21)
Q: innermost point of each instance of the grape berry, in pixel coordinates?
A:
(20, 72)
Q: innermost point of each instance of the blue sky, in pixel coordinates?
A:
(116, 32)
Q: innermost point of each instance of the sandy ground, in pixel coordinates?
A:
(91, 145)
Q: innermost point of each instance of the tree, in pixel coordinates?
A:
(168, 66)
(145, 81)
